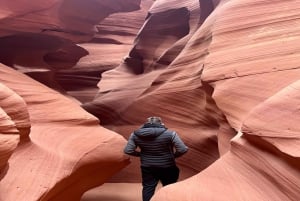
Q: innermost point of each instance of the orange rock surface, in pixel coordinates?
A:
(252, 63)
(66, 153)
(223, 73)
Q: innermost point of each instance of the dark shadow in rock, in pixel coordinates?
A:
(39, 51)
(160, 31)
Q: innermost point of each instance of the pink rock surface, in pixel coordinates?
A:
(64, 155)
(162, 88)
(205, 84)
(41, 39)
(253, 67)
(67, 152)
(71, 19)
(112, 42)
(223, 73)
(15, 123)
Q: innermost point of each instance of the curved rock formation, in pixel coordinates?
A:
(64, 155)
(70, 19)
(223, 73)
(205, 85)
(266, 150)
(153, 81)
(40, 39)
(253, 67)
(107, 49)
(15, 123)
(67, 152)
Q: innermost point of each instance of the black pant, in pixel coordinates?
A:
(152, 175)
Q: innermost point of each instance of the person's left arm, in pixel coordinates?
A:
(179, 145)
(130, 148)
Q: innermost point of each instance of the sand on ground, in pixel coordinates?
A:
(115, 192)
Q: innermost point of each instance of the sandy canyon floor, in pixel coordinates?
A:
(115, 192)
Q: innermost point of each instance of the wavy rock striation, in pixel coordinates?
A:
(51, 149)
(154, 80)
(252, 65)
(15, 123)
(66, 153)
(223, 73)
(41, 39)
(106, 50)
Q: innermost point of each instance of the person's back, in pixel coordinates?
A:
(158, 149)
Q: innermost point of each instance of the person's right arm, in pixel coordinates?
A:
(180, 147)
(130, 148)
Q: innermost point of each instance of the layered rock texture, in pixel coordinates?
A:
(223, 73)
(51, 148)
(66, 151)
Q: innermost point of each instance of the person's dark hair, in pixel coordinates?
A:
(154, 120)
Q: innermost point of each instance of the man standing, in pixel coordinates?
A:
(158, 148)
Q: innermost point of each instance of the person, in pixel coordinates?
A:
(157, 148)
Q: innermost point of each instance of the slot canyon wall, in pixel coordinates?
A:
(223, 73)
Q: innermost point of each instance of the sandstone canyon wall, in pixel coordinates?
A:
(51, 148)
(66, 149)
(223, 73)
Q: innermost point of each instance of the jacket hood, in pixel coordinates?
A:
(150, 131)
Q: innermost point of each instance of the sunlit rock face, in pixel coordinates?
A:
(155, 80)
(70, 19)
(106, 50)
(42, 40)
(51, 148)
(253, 66)
(225, 75)
(66, 152)
(15, 123)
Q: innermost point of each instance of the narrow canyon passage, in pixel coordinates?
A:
(77, 77)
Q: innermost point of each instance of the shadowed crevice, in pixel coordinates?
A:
(39, 50)
(160, 31)
(207, 7)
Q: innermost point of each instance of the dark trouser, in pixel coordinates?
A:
(152, 175)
